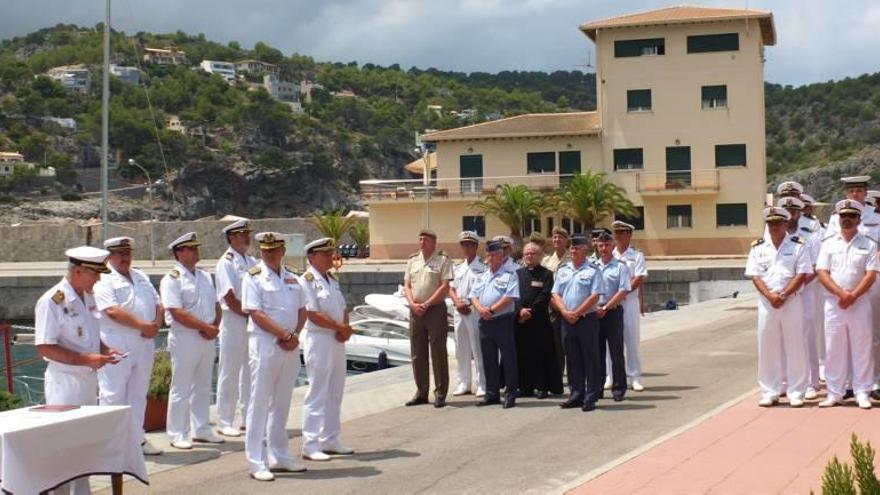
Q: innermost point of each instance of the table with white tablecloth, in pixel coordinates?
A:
(40, 450)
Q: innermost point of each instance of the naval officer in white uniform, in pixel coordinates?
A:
(273, 299)
(233, 375)
(632, 305)
(326, 332)
(193, 313)
(67, 336)
(131, 319)
(465, 320)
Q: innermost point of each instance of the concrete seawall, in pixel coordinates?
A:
(20, 288)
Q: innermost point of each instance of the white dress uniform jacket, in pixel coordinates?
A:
(635, 261)
(467, 333)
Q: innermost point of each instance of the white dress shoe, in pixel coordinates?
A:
(316, 456)
(608, 384)
(182, 445)
(461, 390)
(829, 402)
(288, 467)
(210, 437)
(228, 431)
(637, 386)
(795, 402)
(864, 401)
(264, 475)
(337, 449)
(811, 394)
(768, 400)
(480, 392)
(150, 449)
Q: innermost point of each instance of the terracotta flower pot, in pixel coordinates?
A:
(156, 413)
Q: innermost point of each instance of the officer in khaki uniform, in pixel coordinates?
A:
(426, 282)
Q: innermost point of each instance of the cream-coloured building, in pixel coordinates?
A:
(164, 56)
(679, 124)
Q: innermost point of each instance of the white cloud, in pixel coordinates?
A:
(818, 40)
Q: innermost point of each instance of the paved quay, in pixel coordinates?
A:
(697, 359)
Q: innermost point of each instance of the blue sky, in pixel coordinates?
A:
(818, 40)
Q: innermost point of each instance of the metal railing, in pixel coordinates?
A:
(455, 186)
(677, 181)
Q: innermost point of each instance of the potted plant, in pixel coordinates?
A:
(360, 234)
(157, 394)
(8, 401)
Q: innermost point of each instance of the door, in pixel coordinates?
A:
(678, 167)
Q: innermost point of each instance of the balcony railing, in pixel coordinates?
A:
(679, 181)
(457, 187)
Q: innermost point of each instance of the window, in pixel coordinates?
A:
(628, 159)
(549, 226)
(678, 167)
(532, 224)
(638, 100)
(679, 216)
(638, 48)
(537, 163)
(474, 223)
(637, 221)
(730, 155)
(714, 97)
(728, 42)
(572, 226)
(569, 162)
(731, 215)
(471, 173)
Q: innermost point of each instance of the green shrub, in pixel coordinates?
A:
(841, 479)
(9, 401)
(160, 381)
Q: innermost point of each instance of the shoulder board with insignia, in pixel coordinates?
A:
(757, 242)
(441, 253)
(175, 273)
(58, 297)
(333, 275)
(255, 270)
(309, 277)
(229, 256)
(807, 229)
(413, 255)
(291, 270)
(824, 225)
(797, 239)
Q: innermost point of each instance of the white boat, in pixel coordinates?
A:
(373, 336)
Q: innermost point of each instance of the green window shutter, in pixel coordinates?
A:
(638, 48)
(628, 159)
(730, 155)
(569, 162)
(731, 215)
(470, 165)
(637, 221)
(537, 163)
(678, 158)
(728, 42)
(638, 99)
(714, 96)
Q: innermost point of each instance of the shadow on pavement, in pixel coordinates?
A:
(649, 398)
(381, 455)
(331, 473)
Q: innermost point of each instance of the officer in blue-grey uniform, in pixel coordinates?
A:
(576, 291)
(493, 297)
(615, 287)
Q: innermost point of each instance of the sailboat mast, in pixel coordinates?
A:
(105, 122)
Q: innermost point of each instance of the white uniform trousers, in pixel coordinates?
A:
(632, 335)
(273, 376)
(848, 346)
(467, 349)
(808, 297)
(325, 366)
(781, 348)
(126, 383)
(233, 375)
(63, 387)
(874, 295)
(189, 401)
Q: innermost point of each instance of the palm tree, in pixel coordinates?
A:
(590, 199)
(513, 205)
(333, 224)
(360, 234)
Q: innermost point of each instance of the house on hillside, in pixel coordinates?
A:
(283, 91)
(224, 69)
(72, 77)
(679, 126)
(164, 56)
(129, 74)
(10, 161)
(257, 67)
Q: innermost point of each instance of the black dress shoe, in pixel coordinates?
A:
(416, 401)
(488, 402)
(570, 404)
(542, 394)
(526, 393)
(875, 394)
(439, 402)
(849, 394)
(618, 397)
(508, 403)
(588, 406)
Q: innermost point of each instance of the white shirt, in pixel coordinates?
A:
(62, 318)
(322, 295)
(847, 263)
(231, 267)
(136, 296)
(278, 295)
(191, 292)
(776, 268)
(635, 261)
(464, 274)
